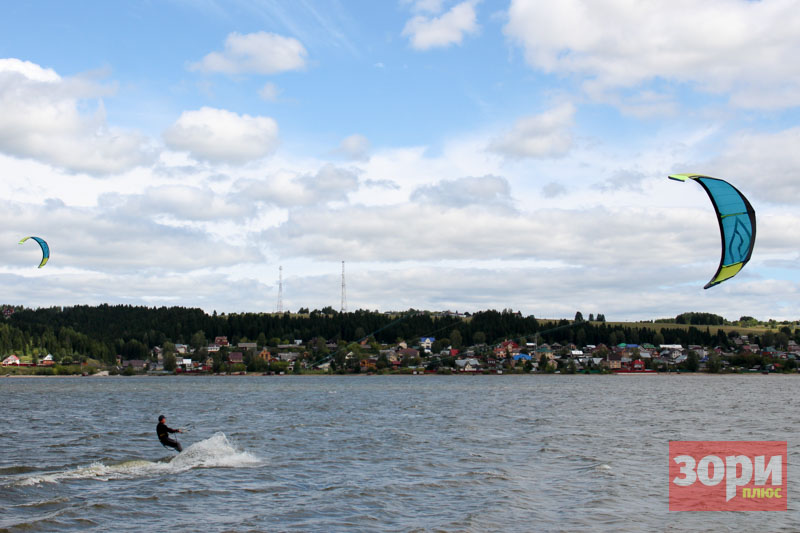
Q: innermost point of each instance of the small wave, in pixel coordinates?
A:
(213, 452)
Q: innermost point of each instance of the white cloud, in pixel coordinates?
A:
(481, 191)
(426, 6)
(114, 239)
(269, 92)
(355, 147)
(622, 179)
(445, 30)
(42, 117)
(569, 236)
(553, 189)
(288, 189)
(223, 136)
(258, 53)
(331, 183)
(29, 70)
(762, 164)
(544, 135)
(748, 49)
(181, 202)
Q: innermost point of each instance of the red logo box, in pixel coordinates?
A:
(727, 476)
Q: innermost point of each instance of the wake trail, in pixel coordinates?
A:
(214, 452)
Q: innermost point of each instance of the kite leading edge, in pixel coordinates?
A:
(737, 224)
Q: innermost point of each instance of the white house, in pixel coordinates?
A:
(467, 365)
(426, 343)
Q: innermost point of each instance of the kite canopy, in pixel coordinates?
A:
(45, 249)
(737, 224)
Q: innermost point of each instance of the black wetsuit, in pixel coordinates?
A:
(163, 431)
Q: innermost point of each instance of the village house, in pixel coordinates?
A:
(390, 353)
(11, 360)
(136, 364)
(426, 343)
(699, 350)
(48, 360)
(613, 361)
(221, 341)
(368, 364)
(506, 349)
(264, 355)
(467, 365)
(235, 358)
(545, 350)
(522, 357)
(411, 353)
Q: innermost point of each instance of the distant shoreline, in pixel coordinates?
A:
(366, 375)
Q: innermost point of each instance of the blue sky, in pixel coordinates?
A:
(457, 154)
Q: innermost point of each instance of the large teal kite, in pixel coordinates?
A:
(737, 224)
(45, 249)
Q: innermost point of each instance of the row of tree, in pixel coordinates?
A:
(105, 331)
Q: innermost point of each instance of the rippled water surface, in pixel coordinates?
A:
(376, 453)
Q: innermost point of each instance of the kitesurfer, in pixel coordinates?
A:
(163, 431)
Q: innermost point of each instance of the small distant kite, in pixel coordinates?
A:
(737, 224)
(45, 249)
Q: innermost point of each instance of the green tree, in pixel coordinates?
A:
(439, 345)
(692, 362)
(198, 341)
(571, 367)
(383, 361)
(455, 338)
(544, 362)
(170, 363)
(261, 340)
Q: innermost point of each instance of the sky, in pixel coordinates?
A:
(456, 154)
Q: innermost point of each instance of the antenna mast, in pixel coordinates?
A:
(280, 289)
(344, 293)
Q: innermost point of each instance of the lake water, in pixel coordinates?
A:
(377, 453)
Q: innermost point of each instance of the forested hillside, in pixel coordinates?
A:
(104, 331)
